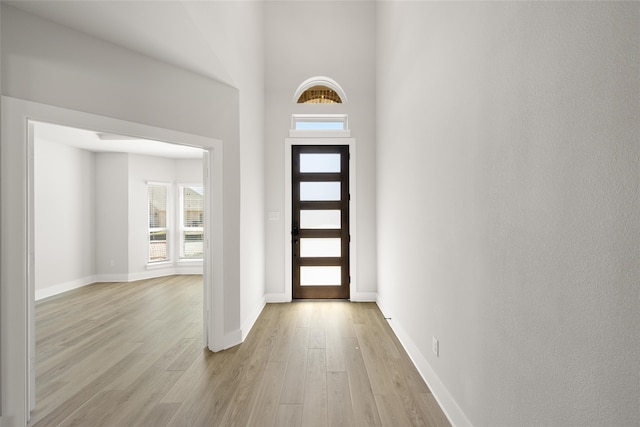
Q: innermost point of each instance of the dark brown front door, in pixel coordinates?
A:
(320, 221)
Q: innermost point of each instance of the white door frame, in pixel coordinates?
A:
(288, 143)
(17, 345)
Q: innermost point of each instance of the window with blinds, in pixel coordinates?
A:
(158, 230)
(191, 222)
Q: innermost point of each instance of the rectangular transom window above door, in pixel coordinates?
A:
(319, 125)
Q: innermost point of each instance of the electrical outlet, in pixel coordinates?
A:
(435, 346)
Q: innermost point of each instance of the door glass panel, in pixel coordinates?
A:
(320, 219)
(320, 191)
(320, 247)
(327, 163)
(320, 276)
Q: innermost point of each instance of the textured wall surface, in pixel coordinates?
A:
(508, 203)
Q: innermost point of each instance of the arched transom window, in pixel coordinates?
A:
(320, 90)
(319, 95)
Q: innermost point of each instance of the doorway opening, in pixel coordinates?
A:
(89, 218)
(92, 222)
(17, 227)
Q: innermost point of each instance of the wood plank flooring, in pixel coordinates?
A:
(131, 354)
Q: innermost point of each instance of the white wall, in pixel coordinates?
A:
(54, 65)
(188, 171)
(64, 221)
(112, 216)
(508, 205)
(303, 40)
(239, 28)
(1, 275)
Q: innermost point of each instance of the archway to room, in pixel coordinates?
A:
(95, 253)
(90, 202)
(18, 228)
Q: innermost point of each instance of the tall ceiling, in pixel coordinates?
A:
(172, 31)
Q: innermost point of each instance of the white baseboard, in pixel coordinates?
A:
(109, 278)
(251, 319)
(279, 297)
(364, 297)
(189, 269)
(50, 291)
(162, 272)
(456, 417)
(151, 274)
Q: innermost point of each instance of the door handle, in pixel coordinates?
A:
(294, 232)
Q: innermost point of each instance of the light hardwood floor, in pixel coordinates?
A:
(131, 354)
